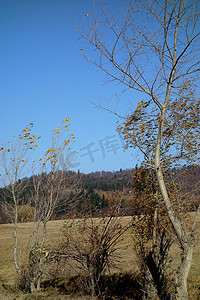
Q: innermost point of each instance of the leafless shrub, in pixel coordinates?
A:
(92, 246)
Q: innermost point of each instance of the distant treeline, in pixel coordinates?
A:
(97, 193)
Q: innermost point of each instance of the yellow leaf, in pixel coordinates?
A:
(65, 120)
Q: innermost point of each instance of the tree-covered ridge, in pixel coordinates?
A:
(100, 192)
(108, 181)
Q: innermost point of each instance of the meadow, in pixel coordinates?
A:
(127, 263)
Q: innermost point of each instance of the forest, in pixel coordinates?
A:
(99, 192)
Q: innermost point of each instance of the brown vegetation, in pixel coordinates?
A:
(121, 281)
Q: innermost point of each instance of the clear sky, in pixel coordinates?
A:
(44, 79)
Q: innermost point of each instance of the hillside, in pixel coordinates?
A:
(99, 192)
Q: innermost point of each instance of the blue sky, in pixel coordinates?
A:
(44, 79)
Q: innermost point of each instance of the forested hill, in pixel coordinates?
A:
(108, 181)
(95, 192)
(188, 178)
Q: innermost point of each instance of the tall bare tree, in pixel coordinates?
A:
(52, 181)
(153, 47)
(15, 155)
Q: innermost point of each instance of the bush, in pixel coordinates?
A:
(91, 245)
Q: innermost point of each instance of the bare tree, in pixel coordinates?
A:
(14, 159)
(51, 181)
(91, 245)
(153, 48)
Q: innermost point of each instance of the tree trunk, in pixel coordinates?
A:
(92, 280)
(33, 288)
(35, 284)
(16, 241)
(186, 243)
(149, 289)
(185, 239)
(38, 284)
(182, 274)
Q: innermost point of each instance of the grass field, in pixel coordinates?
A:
(127, 262)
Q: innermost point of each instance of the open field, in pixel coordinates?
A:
(127, 262)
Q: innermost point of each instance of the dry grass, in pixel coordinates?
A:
(55, 233)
